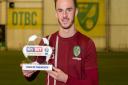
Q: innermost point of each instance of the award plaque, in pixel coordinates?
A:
(34, 49)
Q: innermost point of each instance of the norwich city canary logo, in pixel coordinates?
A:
(88, 15)
(76, 51)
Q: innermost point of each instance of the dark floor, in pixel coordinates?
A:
(113, 69)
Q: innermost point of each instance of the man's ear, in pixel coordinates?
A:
(76, 11)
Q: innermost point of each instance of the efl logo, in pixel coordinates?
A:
(34, 49)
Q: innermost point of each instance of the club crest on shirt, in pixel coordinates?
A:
(76, 51)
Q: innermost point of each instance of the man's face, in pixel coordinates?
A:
(65, 11)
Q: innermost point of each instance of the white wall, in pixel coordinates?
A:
(50, 21)
(119, 25)
(118, 20)
(3, 12)
(0, 11)
(18, 37)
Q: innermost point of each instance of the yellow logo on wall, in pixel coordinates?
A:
(25, 18)
(91, 17)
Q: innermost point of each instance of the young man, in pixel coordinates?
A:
(75, 54)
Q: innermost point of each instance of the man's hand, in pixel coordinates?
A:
(58, 75)
(27, 73)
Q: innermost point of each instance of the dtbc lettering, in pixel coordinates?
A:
(24, 18)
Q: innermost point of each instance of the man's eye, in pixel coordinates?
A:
(59, 10)
(69, 10)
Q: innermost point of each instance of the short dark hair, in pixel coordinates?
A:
(75, 3)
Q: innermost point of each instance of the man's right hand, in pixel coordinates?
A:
(27, 73)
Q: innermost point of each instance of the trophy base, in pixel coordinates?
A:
(40, 67)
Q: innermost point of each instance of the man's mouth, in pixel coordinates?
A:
(65, 21)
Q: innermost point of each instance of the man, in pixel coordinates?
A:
(75, 54)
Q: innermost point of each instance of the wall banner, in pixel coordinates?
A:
(91, 17)
(25, 17)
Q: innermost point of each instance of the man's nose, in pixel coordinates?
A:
(65, 14)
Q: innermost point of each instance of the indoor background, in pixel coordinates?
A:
(105, 21)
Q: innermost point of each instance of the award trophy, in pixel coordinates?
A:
(33, 49)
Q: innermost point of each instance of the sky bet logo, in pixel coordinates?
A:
(34, 49)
